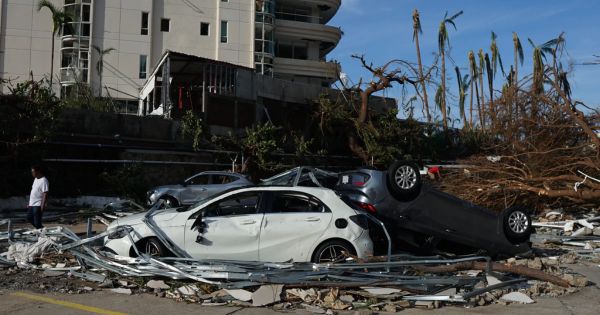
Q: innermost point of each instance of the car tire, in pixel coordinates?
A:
(168, 202)
(517, 224)
(330, 252)
(154, 248)
(404, 180)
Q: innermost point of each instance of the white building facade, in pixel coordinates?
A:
(112, 45)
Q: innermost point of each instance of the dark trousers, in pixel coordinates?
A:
(34, 216)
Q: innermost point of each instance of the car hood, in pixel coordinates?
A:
(134, 219)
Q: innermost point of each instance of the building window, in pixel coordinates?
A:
(204, 29)
(143, 62)
(165, 25)
(224, 31)
(292, 51)
(144, 30)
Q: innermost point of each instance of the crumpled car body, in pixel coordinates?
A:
(274, 224)
(432, 219)
(196, 188)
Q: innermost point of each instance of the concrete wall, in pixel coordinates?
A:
(109, 125)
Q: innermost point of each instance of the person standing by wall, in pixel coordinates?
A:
(38, 197)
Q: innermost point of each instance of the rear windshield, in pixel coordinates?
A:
(354, 179)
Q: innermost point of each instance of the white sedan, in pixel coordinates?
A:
(274, 224)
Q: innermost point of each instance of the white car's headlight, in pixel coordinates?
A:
(119, 232)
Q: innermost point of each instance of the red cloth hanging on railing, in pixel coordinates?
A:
(180, 98)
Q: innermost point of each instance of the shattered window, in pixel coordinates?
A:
(296, 202)
(239, 204)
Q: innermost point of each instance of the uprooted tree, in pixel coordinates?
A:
(359, 95)
(538, 140)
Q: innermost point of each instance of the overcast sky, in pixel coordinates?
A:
(382, 30)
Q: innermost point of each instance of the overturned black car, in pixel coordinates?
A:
(418, 217)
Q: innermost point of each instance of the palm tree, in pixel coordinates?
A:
(519, 57)
(474, 72)
(490, 76)
(481, 71)
(100, 63)
(496, 58)
(416, 31)
(539, 55)
(59, 21)
(443, 39)
(101, 53)
(463, 84)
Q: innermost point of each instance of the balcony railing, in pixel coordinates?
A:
(298, 17)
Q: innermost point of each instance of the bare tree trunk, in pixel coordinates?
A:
(423, 84)
(473, 265)
(443, 103)
(479, 110)
(52, 63)
(482, 108)
(516, 83)
(471, 105)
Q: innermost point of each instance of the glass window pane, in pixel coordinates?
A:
(165, 25)
(143, 61)
(238, 204)
(204, 29)
(224, 32)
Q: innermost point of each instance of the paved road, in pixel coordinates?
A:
(586, 301)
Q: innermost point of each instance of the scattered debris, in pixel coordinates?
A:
(157, 284)
(121, 291)
(379, 285)
(267, 295)
(240, 294)
(517, 297)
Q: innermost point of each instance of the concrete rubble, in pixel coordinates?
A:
(517, 297)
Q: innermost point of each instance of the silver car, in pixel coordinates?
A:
(195, 188)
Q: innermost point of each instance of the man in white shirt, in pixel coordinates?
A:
(38, 196)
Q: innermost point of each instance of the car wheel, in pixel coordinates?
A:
(404, 180)
(517, 224)
(168, 202)
(154, 248)
(333, 251)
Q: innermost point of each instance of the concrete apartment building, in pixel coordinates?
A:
(282, 39)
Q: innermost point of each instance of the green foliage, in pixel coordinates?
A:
(388, 138)
(30, 114)
(301, 146)
(81, 96)
(60, 19)
(259, 145)
(192, 128)
(127, 181)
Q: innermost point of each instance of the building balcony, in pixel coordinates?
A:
(308, 68)
(329, 36)
(328, 8)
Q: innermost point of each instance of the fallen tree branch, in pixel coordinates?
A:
(483, 266)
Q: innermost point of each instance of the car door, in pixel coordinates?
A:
(231, 229)
(218, 183)
(195, 188)
(292, 224)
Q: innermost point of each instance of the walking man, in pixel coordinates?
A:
(37, 198)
